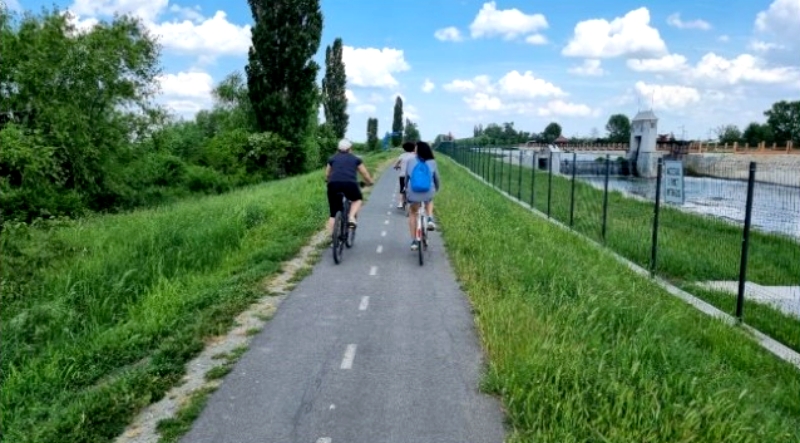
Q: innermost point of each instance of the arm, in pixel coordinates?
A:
(436, 179)
(327, 172)
(364, 173)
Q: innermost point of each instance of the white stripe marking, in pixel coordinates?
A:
(349, 355)
(383, 234)
(364, 303)
(380, 249)
(324, 440)
(373, 270)
(386, 222)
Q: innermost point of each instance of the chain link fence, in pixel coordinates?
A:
(733, 239)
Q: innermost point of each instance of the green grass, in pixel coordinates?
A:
(691, 247)
(172, 429)
(100, 315)
(581, 349)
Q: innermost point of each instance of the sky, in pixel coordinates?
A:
(698, 64)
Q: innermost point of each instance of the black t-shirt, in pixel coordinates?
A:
(344, 167)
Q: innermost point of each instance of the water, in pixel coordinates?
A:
(776, 208)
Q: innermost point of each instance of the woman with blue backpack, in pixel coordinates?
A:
(422, 183)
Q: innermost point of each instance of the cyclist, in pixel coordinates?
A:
(424, 154)
(400, 166)
(340, 173)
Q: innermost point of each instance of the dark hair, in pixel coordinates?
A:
(408, 146)
(424, 151)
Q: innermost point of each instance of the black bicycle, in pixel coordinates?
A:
(344, 235)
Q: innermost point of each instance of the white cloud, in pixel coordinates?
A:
(371, 67)
(13, 5)
(667, 63)
(630, 35)
(782, 18)
(192, 14)
(211, 37)
(516, 92)
(148, 10)
(590, 68)
(743, 69)
(562, 108)
(724, 38)
(410, 112)
(675, 20)
(448, 34)
(428, 86)
(667, 96)
(365, 108)
(536, 39)
(761, 46)
(187, 85)
(508, 23)
(186, 93)
(350, 96)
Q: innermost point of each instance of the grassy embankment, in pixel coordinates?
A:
(692, 248)
(581, 349)
(100, 315)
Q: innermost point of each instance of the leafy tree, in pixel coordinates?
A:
(728, 134)
(281, 72)
(397, 123)
(552, 132)
(619, 128)
(784, 120)
(334, 85)
(372, 134)
(756, 133)
(411, 132)
(85, 93)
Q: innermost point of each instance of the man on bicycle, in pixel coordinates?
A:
(400, 166)
(415, 198)
(340, 173)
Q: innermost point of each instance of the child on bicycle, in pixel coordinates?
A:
(424, 153)
(340, 173)
(400, 167)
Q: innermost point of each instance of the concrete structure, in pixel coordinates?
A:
(548, 152)
(642, 152)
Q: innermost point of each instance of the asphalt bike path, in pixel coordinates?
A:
(375, 349)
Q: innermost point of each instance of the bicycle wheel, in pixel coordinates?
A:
(338, 243)
(420, 237)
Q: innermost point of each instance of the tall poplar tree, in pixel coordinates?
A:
(281, 74)
(334, 84)
(397, 123)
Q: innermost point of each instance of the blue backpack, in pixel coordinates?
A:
(420, 177)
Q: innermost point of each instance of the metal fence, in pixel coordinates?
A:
(733, 239)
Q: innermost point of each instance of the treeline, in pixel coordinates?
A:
(782, 125)
(80, 130)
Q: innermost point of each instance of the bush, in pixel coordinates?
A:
(205, 179)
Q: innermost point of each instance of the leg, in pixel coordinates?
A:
(329, 226)
(412, 220)
(354, 208)
(429, 210)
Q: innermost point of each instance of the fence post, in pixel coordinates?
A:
(605, 197)
(519, 177)
(549, 183)
(510, 166)
(656, 209)
(751, 181)
(572, 192)
(533, 180)
(494, 168)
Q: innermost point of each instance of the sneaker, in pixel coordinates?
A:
(414, 245)
(352, 223)
(399, 206)
(431, 224)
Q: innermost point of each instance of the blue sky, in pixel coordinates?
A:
(458, 63)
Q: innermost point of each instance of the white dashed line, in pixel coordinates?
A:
(383, 234)
(324, 440)
(386, 222)
(380, 249)
(349, 355)
(373, 270)
(333, 406)
(364, 303)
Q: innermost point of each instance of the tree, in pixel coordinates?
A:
(334, 85)
(411, 132)
(281, 74)
(552, 132)
(372, 134)
(784, 120)
(619, 128)
(756, 133)
(728, 134)
(397, 123)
